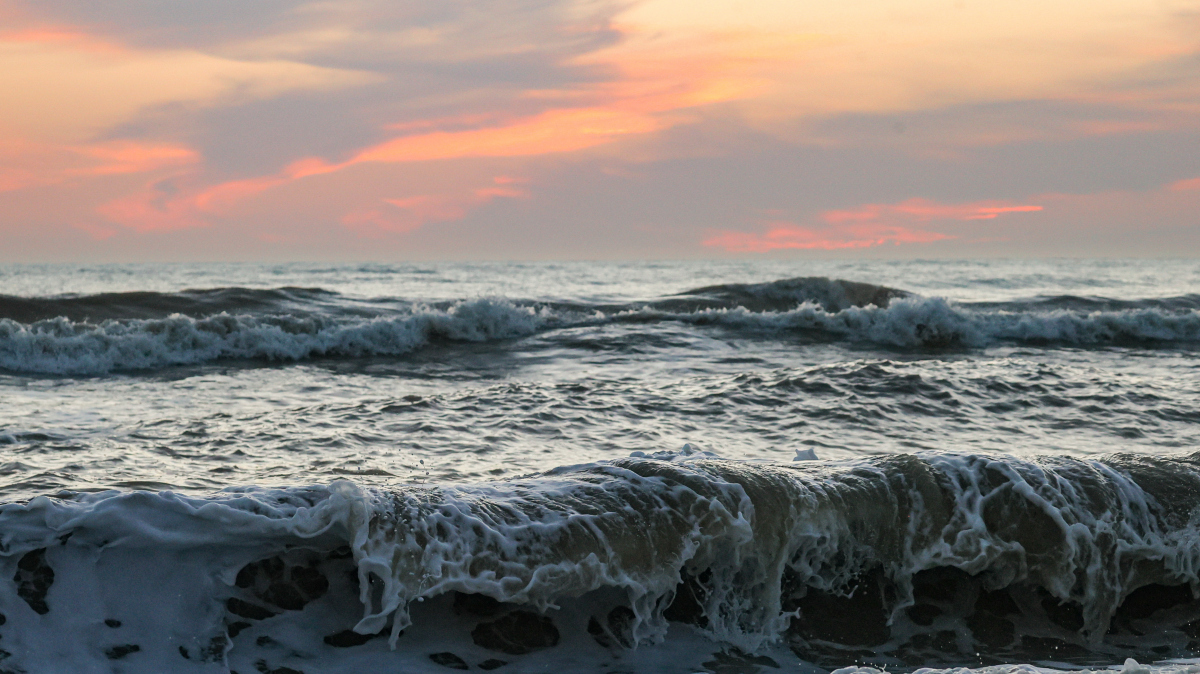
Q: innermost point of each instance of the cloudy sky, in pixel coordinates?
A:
(581, 129)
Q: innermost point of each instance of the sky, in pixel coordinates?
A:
(164, 130)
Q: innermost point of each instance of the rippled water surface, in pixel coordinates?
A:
(588, 467)
(198, 377)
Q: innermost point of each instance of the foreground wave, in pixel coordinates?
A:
(909, 559)
(140, 331)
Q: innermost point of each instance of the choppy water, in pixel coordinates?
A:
(432, 393)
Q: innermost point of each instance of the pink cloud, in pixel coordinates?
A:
(25, 164)
(376, 221)
(647, 94)
(179, 204)
(866, 226)
(153, 208)
(1182, 185)
(924, 210)
(16, 178)
(410, 213)
(784, 235)
(66, 35)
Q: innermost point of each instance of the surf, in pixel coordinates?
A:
(100, 334)
(951, 558)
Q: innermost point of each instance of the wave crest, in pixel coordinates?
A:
(829, 557)
(819, 309)
(61, 346)
(147, 304)
(829, 294)
(933, 322)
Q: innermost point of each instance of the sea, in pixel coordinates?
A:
(732, 467)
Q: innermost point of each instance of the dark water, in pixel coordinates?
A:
(434, 389)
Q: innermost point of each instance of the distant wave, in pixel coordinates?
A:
(937, 323)
(62, 346)
(1013, 559)
(1189, 302)
(153, 330)
(146, 304)
(830, 294)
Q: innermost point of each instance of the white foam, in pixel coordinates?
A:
(62, 347)
(685, 453)
(936, 322)
(629, 528)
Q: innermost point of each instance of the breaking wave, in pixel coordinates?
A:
(966, 559)
(62, 346)
(937, 323)
(131, 331)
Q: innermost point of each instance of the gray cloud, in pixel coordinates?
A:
(624, 210)
(437, 60)
(376, 28)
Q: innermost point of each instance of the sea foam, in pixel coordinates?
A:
(61, 346)
(829, 559)
(289, 325)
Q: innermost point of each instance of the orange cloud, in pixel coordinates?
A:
(550, 132)
(1189, 184)
(867, 226)
(119, 157)
(650, 89)
(651, 84)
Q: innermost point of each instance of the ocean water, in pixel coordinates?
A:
(728, 467)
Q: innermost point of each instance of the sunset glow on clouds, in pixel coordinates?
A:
(651, 94)
(785, 236)
(405, 215)
(63, 85)
(301, 129)
(864, 227)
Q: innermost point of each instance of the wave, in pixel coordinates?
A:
(832, 295)
(146, 304)
(61, 346)
(290, 324)
(908, 558)
(937, 323)
(1179, 303)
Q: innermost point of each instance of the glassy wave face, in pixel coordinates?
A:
(308, 468)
